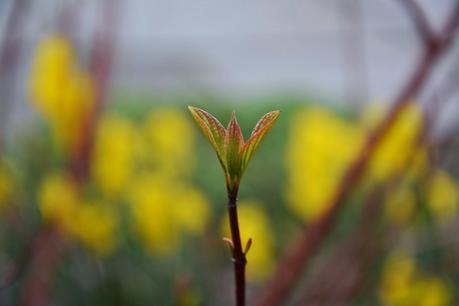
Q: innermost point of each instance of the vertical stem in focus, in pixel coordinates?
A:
(239, 259)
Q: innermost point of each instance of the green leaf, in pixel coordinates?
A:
(212, 129)
(232, 152)
(258, 133)
(234, 142)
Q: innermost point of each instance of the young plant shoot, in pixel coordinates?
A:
(234, 155)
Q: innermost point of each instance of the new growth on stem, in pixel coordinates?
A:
(234, 155)
(232, 151)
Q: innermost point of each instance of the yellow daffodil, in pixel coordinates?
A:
(58, 198)
(402, 284)
(400, 205)
(163, 211)
(60, 91)
(114, 154)
(167, 152)
(321, 146)
(395, 150)
(442, 196)
(150, 201)
(95, 226)
(6, 186)
(188, 204)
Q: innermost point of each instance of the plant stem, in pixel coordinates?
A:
(239, 259)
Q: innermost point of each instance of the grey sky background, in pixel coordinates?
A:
(346, 51)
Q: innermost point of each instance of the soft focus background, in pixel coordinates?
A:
(109, 195)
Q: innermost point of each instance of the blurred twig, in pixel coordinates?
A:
(100, 68)
(47, 246)
(420, 21)
(351, 260)
(442, 94)
(310, 239)
(46, 249)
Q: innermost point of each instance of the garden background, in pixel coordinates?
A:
(109, 195)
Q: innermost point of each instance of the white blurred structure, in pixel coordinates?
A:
(342, 50)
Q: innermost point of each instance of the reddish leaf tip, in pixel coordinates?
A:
(261, 128)
(193, 109)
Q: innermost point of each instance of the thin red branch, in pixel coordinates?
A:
(100, 68)
(349, 261)
(300, 252)
(48, 248)
(441, 95)
(420, 21)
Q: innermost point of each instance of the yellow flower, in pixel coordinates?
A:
(443, 196)
(398, 273)
(54, 58)
(60, 92)
(57, 199)
(6, 186)
(400, 204)
(321, 146)
(163, 211)
(403, 285)
(95, 226)
(433, 291)
(188, 297)
(71, 115)
(191, 210)
(394, 151)
(114, 154)
(254, 223)
(151, 214)
(419, 165)
(170, 139)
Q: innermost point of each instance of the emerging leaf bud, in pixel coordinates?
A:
(232, 151)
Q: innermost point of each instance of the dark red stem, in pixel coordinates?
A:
(102, 56)
(239, 259)
(420, 20)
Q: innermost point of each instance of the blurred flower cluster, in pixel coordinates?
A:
(420, 197)
(146, 213)
(403, 284)
(140, 190)
(322, 144)
(143, 165)
(61, 90)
